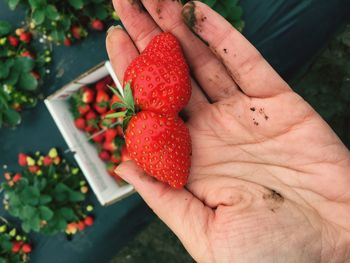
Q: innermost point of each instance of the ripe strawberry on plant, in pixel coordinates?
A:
(97, 25)
(22, 159)
(25, 37)
(67, 42)
(110, 146)
(157, 86)
(89, 221)
(27, 54)
(13, 41)
(104, 155)
(26, 248)
(77, 31)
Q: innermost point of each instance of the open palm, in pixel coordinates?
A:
(269, 179)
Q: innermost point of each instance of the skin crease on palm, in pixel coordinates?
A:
(269, 179)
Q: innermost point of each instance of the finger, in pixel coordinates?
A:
(137, 22)
(121, 51)
(209, 72)
(179, 209)
(246, 65)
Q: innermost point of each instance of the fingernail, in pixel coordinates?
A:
(111, 28)
(188, 14)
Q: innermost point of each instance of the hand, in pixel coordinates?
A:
(269, 179)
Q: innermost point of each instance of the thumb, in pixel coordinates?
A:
(178, 208)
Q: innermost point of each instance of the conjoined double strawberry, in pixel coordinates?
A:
(156, 87)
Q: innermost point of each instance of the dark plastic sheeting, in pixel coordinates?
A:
(287, 32)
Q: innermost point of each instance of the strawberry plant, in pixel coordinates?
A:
(22, 71)
(66, 21)
(229, 9)
(157, 86)
(14, 246)
(89, 107)
(48, 195)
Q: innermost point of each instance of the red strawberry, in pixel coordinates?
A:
(80, 123)
(17, 177)
(104, 155)
(47, 161)
(159, 77)
(92, 119)
(67, 42)
(77, 31)
(83, 109)
(33, 169)
(90, 129)
(13, 41)
(102, 101)
(110, 134)
(27, 248)
(25, 37)
(16, 246)
(101, 85)
(27, 54)
(81, 225)
(89, 220)
(161, 146)
(88, 95)
(115, 158)
(22, 159)
(109, 146)
(97, 24)
(124, 154)
(98, 137)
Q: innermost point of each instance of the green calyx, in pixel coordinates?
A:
(126, 102)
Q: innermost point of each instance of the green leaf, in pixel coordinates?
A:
(235, 13)
(45, 213)
(27, 82)
(30, 195)
(37, 3)
(75, 196)
(129, 100)
(5, 28)
(118, 105)
(68, 214)
(38, 16)
(24, 64)
(6, 245)
(26, 226)
(11, 117)
(77, 4)
(210, 2)
(28, 212)
(52, 13)
(13, 3)
(101, 12)
(57, 35)
(45, 199)
(35, 223)
(12, 79)
(5, 69)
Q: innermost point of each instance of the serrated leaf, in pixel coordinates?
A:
(13, 77)
(13, 3)
(27, 82)
(38, 16)
(45, 199)
(24, 64)
(5, 28)
(101, 12)
(26, 226)
(57, 35)
(68, 214)
(52, 13)
(45, 213)
(77, 4)
(28, 212)
(37, 3)
(7, 246)
(75, 196)
(5, 68)
(210, 2)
